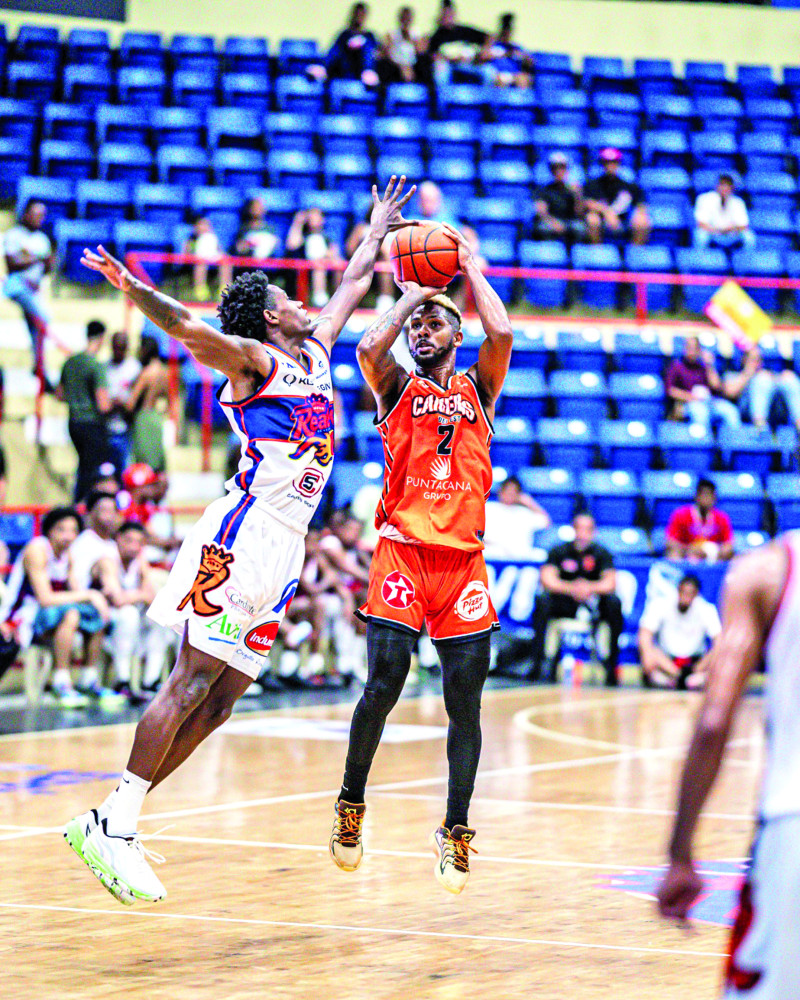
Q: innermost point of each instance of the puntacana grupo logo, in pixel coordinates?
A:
(397, 590)
(473, 602)
(440, 469)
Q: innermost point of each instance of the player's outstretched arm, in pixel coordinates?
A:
(374, 351)
(494, 357)
(752, 593)
(386, 218)
(233, 356)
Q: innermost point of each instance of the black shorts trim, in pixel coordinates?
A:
(454, 640)
(400, 626)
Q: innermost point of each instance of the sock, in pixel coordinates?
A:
(88, 677)
(127, 805)
(104, 809)
(354, 784)
(61, 678)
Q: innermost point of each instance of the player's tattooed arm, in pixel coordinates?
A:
(494, 356)
(386, 218)
(232, 356)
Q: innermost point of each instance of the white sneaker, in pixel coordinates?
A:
(345, 845)
(122, 862)
(452, 849)
(75, 834)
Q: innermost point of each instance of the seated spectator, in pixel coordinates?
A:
(695, 389)
(340, 547)
(146, 406)
(306, 240)
(699, 532)
(452, 46)
(675, 632)
(256, 238)
(128, 583)
(512, 521)
(721, 218)
(353, 53)
(29, 257)
(42, 606)
(204, 244)
(504, 63)
(614, 205)
(755, 389)
(96, 541)
(559, 205)
(578, 577)
(398, 54)
(141, 501)
(121, 373)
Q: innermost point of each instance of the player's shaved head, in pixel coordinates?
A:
(243, 303)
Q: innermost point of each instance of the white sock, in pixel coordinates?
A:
(62, 678)
(88, 677)
(104, 809)
(127, 805)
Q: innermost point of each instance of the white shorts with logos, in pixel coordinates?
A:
(764, 963)
(234, 577)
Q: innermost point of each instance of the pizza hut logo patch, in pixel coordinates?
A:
(261, 638)
(473, 602)
(588, 564)
(398, 591)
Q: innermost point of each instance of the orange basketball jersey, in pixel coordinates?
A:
(438, 472)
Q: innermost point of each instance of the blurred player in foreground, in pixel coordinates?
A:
(428, 564)
(238, 568)
(760, 615)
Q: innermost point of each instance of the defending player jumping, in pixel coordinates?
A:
(428, 565)
(238, 568)
(761, 611)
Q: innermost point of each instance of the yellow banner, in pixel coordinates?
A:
(732, 309)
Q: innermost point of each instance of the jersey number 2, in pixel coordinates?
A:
(447, 431)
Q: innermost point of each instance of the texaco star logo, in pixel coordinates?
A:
(397, 591)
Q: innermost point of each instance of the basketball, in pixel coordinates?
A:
(424, 254)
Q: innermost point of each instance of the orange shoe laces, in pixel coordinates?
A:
(350, 828)
(459, 851)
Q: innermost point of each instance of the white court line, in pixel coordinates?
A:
(365, 931)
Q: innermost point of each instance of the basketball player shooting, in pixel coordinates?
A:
(238, 568)
(761, 610)
(428, 565)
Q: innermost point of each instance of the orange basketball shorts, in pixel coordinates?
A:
(445, 588)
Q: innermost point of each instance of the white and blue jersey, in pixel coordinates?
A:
(238, 568)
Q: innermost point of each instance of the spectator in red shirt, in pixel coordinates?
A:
(699, 532)
(695, 388)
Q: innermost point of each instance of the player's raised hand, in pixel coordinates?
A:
(418, 292)
(679, 890)
(111, 269)
(387, 212)
(465, 255)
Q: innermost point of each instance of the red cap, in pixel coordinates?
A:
(610, 154)
(139, 474)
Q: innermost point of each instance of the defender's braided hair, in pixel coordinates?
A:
(241, 307)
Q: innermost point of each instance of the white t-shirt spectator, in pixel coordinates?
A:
(681, 634)
(510, 529)
(84, 554)
(709, 210)
(34, 242)
(120, 382)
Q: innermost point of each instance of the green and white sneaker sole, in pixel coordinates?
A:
(75, 837)
(111, 881)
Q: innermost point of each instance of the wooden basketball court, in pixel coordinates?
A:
(575, 792)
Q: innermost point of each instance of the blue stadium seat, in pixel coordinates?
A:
(115, 123)
(669, 227)
(385, 166)
(238, 167)
(348, 478)
(368, 441)
(568, 444)
(625, 139)
(250, 91)
(73, 160)
(72, 235)
(700, 261)
(500, 251)
(670, 111)
(762, 264)
(246, 55)
(706, 79)
(465, 102)
(664, 491)
(547, 139)
(546, 292)
(764, 151)
(295, 54)
(505, 142)
(38, 43)
(624, 542)
(685, 447)
(177, 127)
(602, 68)
(581, 351)
(16, 530)
(347, 171)
(597, 294)
(130, 237)
(345, 134)
(293, 169)
(715, 150)
(514, 106)
(195, 53)
(666, 183)
(352, 97)
(408, 99)
(555, 489)
(162, 203)
(398, 136)
(524, 394)
(296, 93)
(769, 115)
(566, 108)
(122, 161)
(87, 84)
(654, 260)
(337, 206)
(792, 259)
(638, 355)
(559, 63)
(637, 397)
(507, 180)
(776, 223)
(280, 205)
(512, 445)
(193, 89)
(15, 155)
(756, 81)
(723, 113)
(102, 199)
(31, 81)
(88, 46)
(782, 491)
(664, 148)
(182, 165)
(455, 176)
(749, 449)
(653, 69)
(627, 444)
(452, 139)
(141, 86)
(69, 122)
(614, 110)
(19, 119)
(348, 380)
(290, 130)
(706, 180)
(141, 49)
(494, 217)
(579, 395)
(741, 496)
(772, 190)
(612, 496)
(208, 200)
(234, 127)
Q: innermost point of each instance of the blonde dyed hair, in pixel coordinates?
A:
(446, 303)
